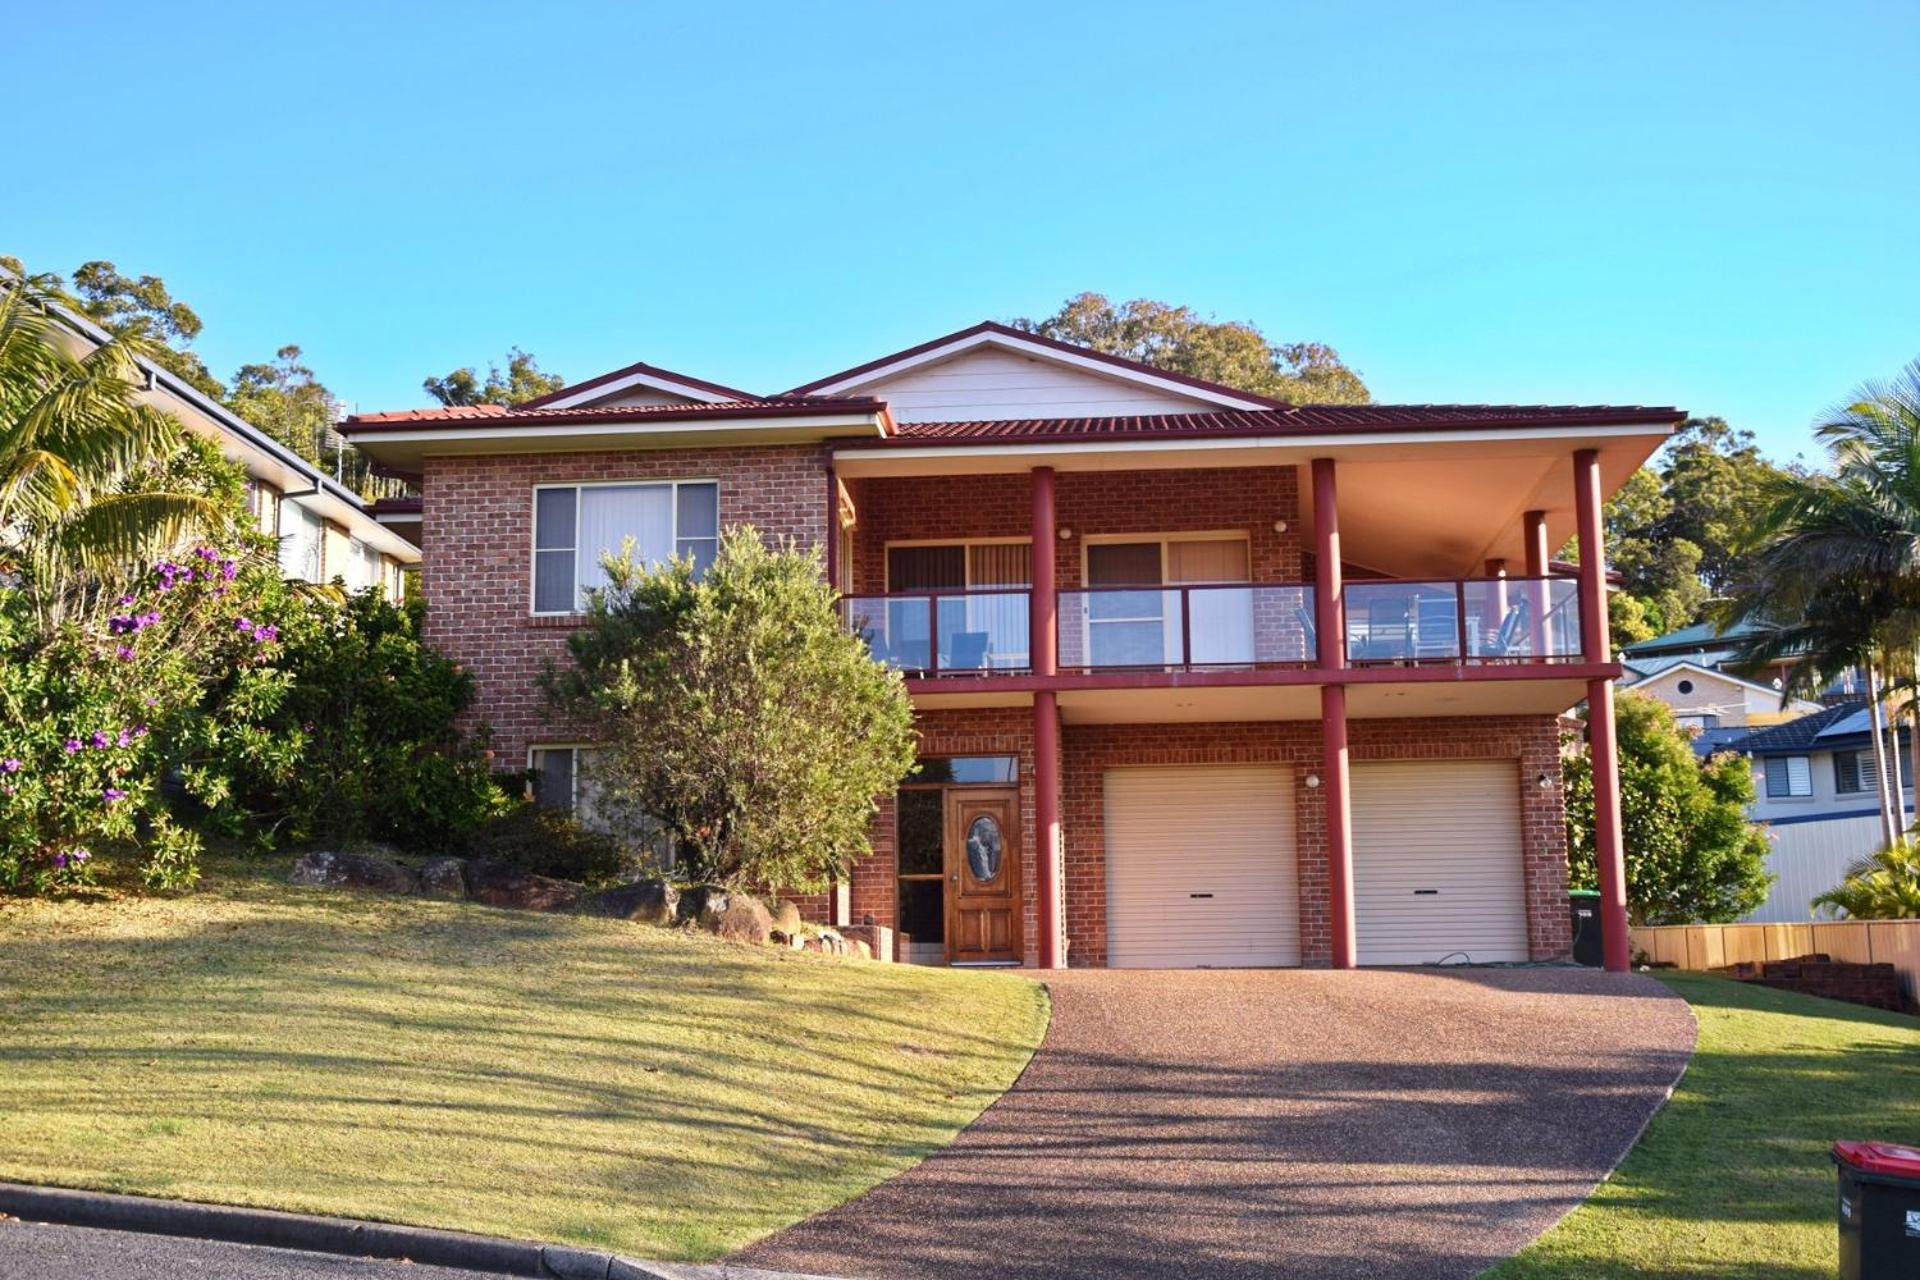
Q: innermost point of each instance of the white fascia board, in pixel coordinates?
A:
(1039, 351)
(587, 395)
(1300, 443)
(868, 422)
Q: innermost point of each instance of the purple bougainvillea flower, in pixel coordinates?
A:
(139, 731)
(72, 745)
(101, 740)
(59, 860)
(126, 599)
(122, 652)
(126, 737)
(228, 569)
(11, 765)
(205, 553)
(266, 633)
(243, 624)
(113, 795)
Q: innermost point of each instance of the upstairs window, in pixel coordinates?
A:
(574, 525)
(1789, 777)
(1855, 772)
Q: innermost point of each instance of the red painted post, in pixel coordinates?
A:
(1328, 607)
(1043, 658)
(833, 528)
(1602, 746)
(1538, 601)
(1330, 628)
(1334, 783)
(1046, 824)
(1043, 609)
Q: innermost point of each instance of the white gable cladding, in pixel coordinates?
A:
(641, 396)
(991, 383)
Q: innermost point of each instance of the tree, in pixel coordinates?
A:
(1178, 339)
(522, 381)
(1660, 571)
(284, 399)
(1717, 484)
(1885, 886)
(736, 711)
(78, 452)
(142, 309)
(1692, 856)
(1835, 581)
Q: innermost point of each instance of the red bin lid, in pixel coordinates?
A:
(1879, 1157)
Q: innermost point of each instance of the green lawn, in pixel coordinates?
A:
(604, 1083)
(1732, 1178)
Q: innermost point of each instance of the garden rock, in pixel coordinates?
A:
(444, 878)
(786, 917)
(745, 920)
(647, 901)
(326, 869)
(500, 884)
(700, 901)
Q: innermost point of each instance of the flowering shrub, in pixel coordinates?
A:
(89, 706)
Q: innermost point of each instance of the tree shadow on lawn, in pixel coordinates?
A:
(418, 1071)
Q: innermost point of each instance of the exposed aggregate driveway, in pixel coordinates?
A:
(1200, 1124)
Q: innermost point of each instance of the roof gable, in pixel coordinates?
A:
(639, 384)
(991, 372)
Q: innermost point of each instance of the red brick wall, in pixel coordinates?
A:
(1088, 751)
(1248, 499)
(476, 564)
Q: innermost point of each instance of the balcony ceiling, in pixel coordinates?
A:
(1432, 507)
(1228, 703)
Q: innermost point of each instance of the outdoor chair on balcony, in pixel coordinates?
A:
(1308, 630)
(1512, 640)
(968, 652)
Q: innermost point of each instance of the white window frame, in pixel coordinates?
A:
(533, 531)
(1169, 625)
(315, 559)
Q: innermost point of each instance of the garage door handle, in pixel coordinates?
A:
(1422, 893)
(1199, 895)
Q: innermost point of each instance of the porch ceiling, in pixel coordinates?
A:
(1230, 703)
(1434, 505)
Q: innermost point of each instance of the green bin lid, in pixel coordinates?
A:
(1583, 893)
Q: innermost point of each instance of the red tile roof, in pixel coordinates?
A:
(493, 415)
(1292, 420)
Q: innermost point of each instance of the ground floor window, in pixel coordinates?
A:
(563, 779)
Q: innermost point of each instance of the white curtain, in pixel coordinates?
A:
(610, 514)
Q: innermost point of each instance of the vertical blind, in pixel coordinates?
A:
(574, 526)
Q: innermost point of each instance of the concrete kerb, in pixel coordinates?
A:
(347, 1237)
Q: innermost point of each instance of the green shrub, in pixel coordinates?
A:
(549, 843)
(351, 734)
(737, 711)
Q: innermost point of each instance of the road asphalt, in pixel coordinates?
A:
(36, 1251)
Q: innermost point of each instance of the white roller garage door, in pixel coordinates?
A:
(1437, 861)
(1200, 868)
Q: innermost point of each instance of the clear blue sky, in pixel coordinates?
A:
(1714, 205)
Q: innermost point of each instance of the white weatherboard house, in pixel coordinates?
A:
(1817, 792)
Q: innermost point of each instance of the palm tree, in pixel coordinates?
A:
(1885, 886)
(1837, 556)
(77, 446)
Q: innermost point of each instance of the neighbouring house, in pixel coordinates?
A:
(1201, 678)
(325, 529)
(1688, 670)
(1817, 789)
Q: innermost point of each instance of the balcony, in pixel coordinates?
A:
(1225, 627)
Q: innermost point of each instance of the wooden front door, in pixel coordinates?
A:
(983, 875)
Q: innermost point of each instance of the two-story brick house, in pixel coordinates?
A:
(1201, 678)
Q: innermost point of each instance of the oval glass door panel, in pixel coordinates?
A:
(983, 849)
